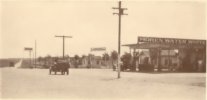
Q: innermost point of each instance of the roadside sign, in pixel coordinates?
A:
(98, 49)
(26, 48)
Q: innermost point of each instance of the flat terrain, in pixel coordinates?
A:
(96, 84)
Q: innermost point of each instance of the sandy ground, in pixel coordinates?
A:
(93, 84)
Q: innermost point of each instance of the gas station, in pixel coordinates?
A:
(184, 55)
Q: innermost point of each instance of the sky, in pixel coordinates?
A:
(92, 24)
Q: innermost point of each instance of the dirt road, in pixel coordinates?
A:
(93, 84)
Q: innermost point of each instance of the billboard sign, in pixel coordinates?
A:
(98, 49)
(171, 40)
(26, 48)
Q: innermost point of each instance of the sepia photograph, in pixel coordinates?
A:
(103, 49)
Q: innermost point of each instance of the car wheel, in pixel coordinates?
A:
(67, 72)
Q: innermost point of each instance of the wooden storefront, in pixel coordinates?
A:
(191, 55)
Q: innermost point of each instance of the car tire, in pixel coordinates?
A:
(67, 72)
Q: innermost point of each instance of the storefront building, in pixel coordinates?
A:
(188, 55)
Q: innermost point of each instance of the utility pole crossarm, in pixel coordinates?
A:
(121, 10)
(58, 36)
(68, 36)
(124, 8)
(64, 36)
(114, 8)
(115, 13)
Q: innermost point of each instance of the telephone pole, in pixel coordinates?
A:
(120, 13)
(63, 36)
(35, 55)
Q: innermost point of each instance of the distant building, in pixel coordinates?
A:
(89, 62)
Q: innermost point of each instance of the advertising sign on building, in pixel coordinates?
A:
(171, 40)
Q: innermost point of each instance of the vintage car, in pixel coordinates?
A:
(60, 66)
